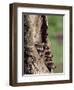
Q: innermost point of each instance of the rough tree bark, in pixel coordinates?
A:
(37, 51)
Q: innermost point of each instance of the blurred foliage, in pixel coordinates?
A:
(55, 34)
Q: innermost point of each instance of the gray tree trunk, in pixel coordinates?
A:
(37, 51)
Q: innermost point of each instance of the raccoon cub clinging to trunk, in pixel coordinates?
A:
(37, 50)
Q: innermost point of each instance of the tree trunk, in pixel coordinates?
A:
(37, 51)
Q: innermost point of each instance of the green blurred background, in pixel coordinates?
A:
(55, 35)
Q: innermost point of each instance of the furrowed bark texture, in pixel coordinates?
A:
(37, 51)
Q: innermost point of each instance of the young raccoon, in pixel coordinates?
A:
(36, 43)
